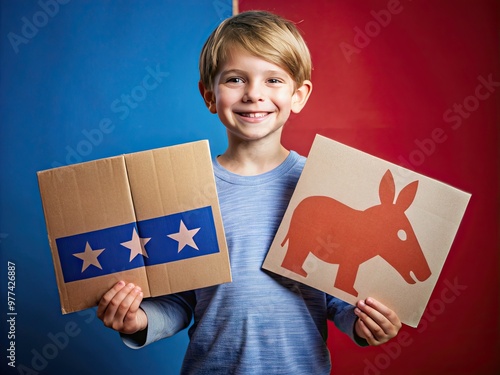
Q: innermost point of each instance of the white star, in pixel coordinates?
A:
(185, 237)
(136, 245)
(89, 257)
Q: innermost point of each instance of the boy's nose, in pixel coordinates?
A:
(253, 93)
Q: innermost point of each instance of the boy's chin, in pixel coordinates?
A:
(258, 135)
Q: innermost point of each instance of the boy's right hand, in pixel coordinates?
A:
(119, 309)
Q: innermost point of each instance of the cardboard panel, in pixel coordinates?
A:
(169, 181)
(359, 226)
(81, 199)
(151, 218)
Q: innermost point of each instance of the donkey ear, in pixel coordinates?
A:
(387, 190)
(406, 196)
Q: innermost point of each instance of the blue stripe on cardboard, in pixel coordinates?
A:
(114, 258)
(160, 248)
(163, 249)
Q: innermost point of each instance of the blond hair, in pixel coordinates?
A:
(262, 34)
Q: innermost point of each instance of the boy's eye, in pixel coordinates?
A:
(274, 80)
(234, 80)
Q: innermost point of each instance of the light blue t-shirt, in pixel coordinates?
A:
(260, 323)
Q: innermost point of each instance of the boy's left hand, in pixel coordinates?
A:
(376, 323)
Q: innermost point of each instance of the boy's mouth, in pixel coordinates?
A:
(253, 114)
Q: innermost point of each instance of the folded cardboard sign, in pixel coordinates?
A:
(358, 226)
(151, 218)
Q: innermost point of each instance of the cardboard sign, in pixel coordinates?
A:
(151, 218)
(358, 226)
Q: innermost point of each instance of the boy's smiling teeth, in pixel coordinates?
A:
(253, 114)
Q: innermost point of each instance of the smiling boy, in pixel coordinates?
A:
(254, 71)
(253, 98)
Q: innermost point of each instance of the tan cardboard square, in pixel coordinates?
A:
(121, 190)
(359, 226)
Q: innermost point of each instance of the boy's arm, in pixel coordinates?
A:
(166, 316)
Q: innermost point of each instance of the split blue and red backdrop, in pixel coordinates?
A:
(413, 82)
(416, 83)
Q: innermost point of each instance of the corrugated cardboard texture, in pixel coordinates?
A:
(360, 239)
(122, 191)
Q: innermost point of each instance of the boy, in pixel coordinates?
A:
(255, 69)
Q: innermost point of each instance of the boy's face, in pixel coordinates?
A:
(254, 97)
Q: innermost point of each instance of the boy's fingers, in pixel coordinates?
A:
(368, 334)
(137, 301)
(127, 304)
(379, 313)
(379, 323)
(111, 312)
(131, 315)
(107, 297)
(384, 311)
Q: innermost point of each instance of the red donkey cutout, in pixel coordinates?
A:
(339, 234)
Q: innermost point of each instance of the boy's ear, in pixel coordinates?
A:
(301, 95)
(208, 97)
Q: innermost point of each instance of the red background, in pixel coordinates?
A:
(413, 79)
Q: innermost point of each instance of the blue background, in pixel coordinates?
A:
(57, 88)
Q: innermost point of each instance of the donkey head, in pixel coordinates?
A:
(394, 235)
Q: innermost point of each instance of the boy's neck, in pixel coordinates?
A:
(248, 159)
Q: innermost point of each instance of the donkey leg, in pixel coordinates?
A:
(294, 260)
(346, 276)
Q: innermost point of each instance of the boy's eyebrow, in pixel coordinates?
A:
(232, 71)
